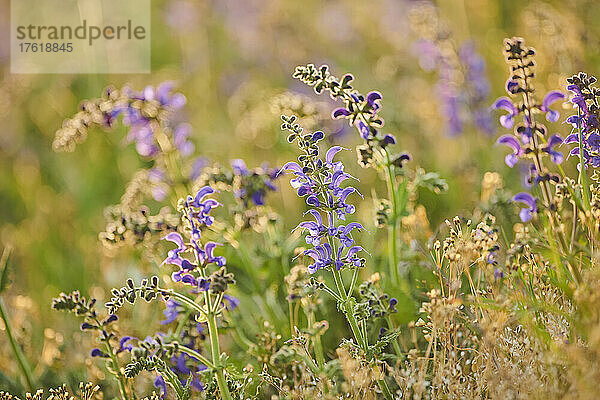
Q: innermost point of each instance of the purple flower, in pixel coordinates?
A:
(96, 352)
(512, 86)
(159, 383)
(173, 256)
(207, 256)
(392, 304)
(363, 129)
(203, 208)
(315, 228)
(322, 256)
(513, 158)
(579, 99)
(526, 213)
(556, 156)
(551, 97)
(171, 311)
(180, 139)
(197, 166)
(388, 139)
(123, 344)
(239, 167)
(229, 302)
(345, 233)
(498, 274)
(340, 112)
(373, 100)
(505, 103)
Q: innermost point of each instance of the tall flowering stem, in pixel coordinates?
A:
(210, 288)
(361, 111)
(530, 141)
(333, 248)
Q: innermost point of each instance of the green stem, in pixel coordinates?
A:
(393, 228)
(174, 382)
(316, 341)
(213, 333)
(18, 352)
(195, 354)
(117, 370)
(385, 389)
(395, 344)
(216, 354)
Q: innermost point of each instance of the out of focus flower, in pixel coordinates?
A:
(531, 207)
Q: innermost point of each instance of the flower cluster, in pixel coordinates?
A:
(143, 112)
(463, 86)
(196, 213)
(529, 141)
(111, 344)
(361, 111)
(586, 123)
(319, 182)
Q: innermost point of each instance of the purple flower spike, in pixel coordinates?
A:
(511, 159)
(505, 103)
(526, 213)
(551, 97)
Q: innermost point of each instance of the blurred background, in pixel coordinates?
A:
(439, 66)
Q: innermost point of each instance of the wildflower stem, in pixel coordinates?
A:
(195, 354)
(216, 354)
(353, 282)
(173, 381)
(18, 352)
(186, 301)
(393, 229)
(318, 347)
(385, 389)
(395, 344)
(116, 370)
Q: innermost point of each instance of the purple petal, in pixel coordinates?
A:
(176, 238)
(554, 140)
(332, 152)
(572, 138)
(506, 104)
(550, 98)
(339, 112)
(511, 141)
(372, 97)
(527, 199)
(203, 192)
